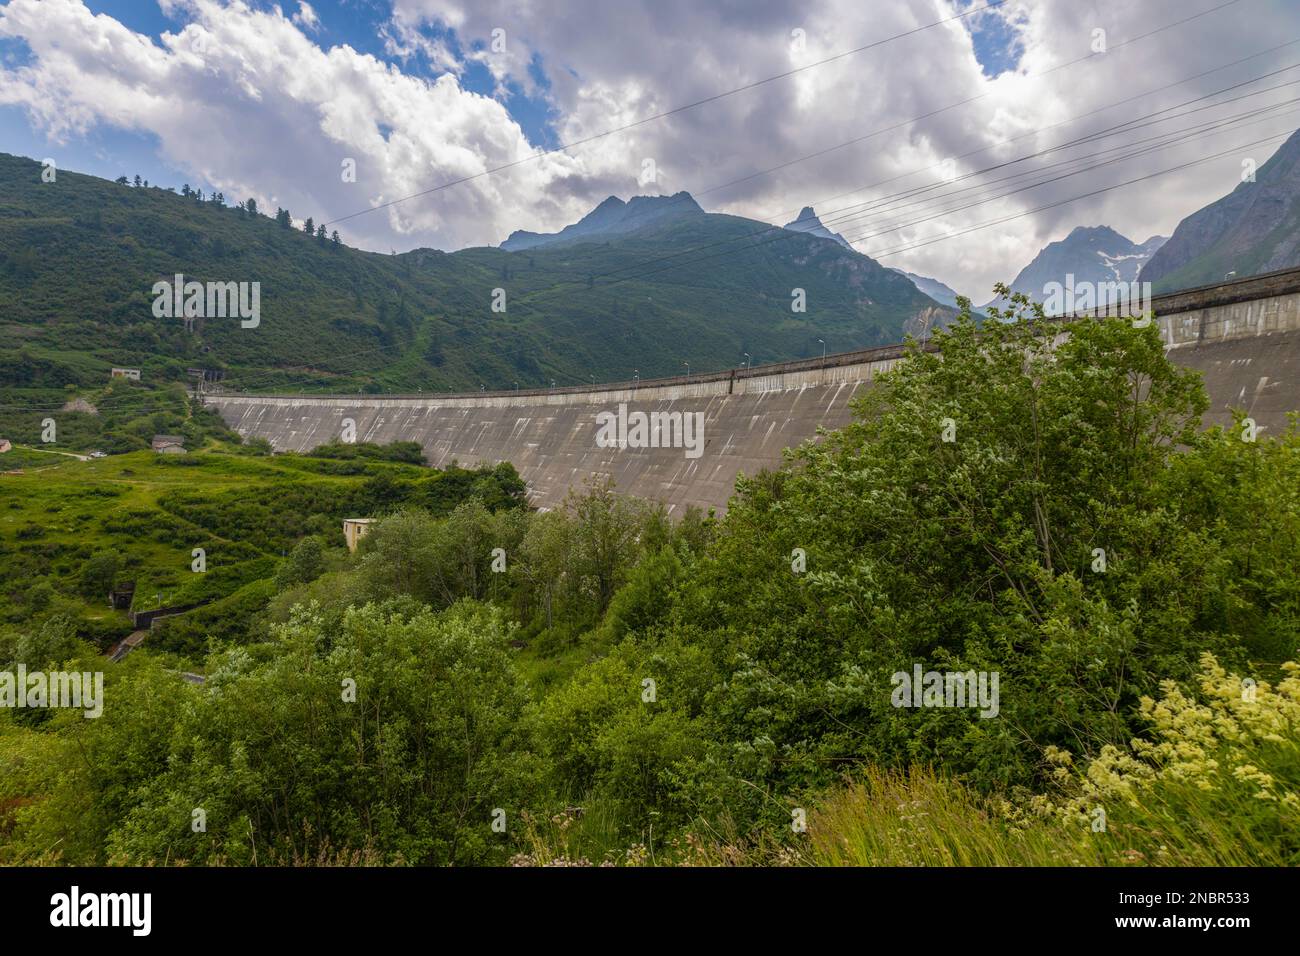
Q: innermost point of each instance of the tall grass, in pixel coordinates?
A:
(918, 818)
(588, 835)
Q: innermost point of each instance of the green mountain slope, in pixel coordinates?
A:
(79, 258)
(1253, 229)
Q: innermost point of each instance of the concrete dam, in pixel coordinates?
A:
(1243, 336)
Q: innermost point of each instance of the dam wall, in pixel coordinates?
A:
(1243, 336)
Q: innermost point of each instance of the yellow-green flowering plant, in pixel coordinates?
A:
(1216, 780)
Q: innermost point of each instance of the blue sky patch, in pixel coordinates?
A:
(998, 47)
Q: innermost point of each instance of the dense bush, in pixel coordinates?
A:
(320, 741)
(409, 452)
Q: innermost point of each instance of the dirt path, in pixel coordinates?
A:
(70, 454)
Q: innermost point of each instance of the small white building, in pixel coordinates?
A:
(354, 529)
(132, 373)
(168, 444)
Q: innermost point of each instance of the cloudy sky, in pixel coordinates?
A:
(271, 100)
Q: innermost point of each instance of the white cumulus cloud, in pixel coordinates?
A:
(306, 16)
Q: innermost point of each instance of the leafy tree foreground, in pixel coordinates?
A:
(600, 684)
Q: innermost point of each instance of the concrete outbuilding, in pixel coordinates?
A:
(354, 529)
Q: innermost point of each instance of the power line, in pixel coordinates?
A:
(1104, 134)
(1123, 127)
(786, 234)
(1096, 192)
(1042, 129)
(677, 109)
(1162, 142)
(968, 100)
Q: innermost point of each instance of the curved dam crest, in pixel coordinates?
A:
(1243, 336)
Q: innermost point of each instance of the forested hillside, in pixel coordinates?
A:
(698, 289)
